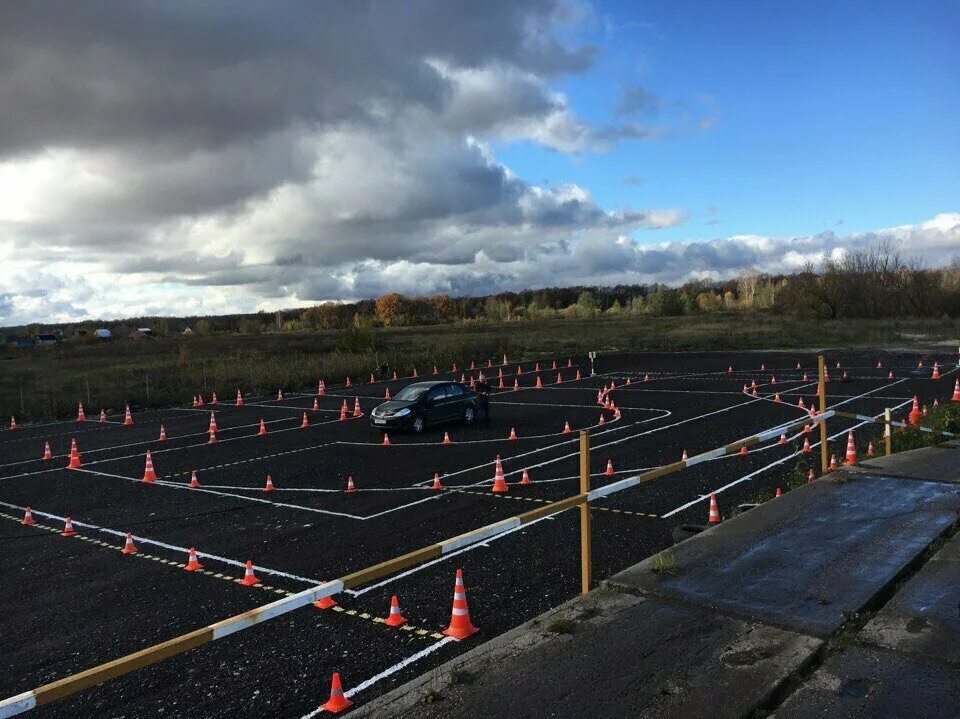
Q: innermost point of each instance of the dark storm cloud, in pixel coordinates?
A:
(207, 74)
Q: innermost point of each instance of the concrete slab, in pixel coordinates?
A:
(924, 616)
(610, 654)
(952, 444)
(936, 464)
(876, 684)
(810, 558)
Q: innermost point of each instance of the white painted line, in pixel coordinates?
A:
(155, 542)
(387, 672)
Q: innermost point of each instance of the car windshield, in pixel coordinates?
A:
(411, 393)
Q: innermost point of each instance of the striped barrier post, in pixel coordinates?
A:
(67, 686)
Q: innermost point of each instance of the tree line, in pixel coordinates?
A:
(871, 282)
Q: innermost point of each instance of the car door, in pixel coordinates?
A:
(437, 405)
(448, 404)
(454, 401)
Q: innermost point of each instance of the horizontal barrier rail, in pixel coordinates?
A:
(893, 423)
(67, 686)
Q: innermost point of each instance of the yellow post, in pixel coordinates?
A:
(887, 431)
(822, 391)
(586, 553)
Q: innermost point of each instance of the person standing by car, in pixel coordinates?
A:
(482, 390)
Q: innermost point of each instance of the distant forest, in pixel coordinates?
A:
(873, 283)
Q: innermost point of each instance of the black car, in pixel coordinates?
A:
(424, 403)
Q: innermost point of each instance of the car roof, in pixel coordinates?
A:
(431, 383)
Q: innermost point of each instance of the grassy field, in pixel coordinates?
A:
(47, 383)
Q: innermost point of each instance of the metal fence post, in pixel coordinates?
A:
(822, 391)
(887, 431)
(586, 553)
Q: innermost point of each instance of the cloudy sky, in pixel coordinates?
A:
(184, 157)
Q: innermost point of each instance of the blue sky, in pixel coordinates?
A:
(822, 113)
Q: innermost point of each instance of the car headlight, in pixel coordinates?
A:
(401, 412)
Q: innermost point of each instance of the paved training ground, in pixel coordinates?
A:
(75, 602)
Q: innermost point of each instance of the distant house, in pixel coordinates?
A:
(145, 331)
(188, 331)
(47, 340)
(22, 342)
(104, 334)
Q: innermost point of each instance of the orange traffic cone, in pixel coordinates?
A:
(347, 382)
(28, 517)
(460, 625)
(783, 439)
(513, 433)
(890, 376)
(578, 375)
(194, 482)
(730, 369)
(646, 378)
(163, 435)
(343, 411)
(213, 423)
(316, 405)
(609, 471)
(956, 392)
(103, 416)
(851, 457)
(833, 461)
(601, 421)
(436, 481)
(714, 516)
(127, 417)
(74, 456)
(321, 388)
(337, 701)
(199, 400)
(80, 415)
(350, 485)
(800, 404)
(356, 407)
(325, 603)
(305, 424)
(129, 547)
(566, 428)
(776, 398)
(386, 393)
(263, 429)
(806, 446)
(239, 399)
(395, 618)
(249, 578)
(13, 423)
(148, 474)
(559, 378)
(279, 395)
(268, 487)
(539, 383)
(811, 476)
(779, 492)
(936, 372)
(193, 564)
(743, 450)
(47, 454)
(915, 413)
(516, 385)
(499, 483)
(213, 438)
(683, 457)
(372, 379)
(213, 398)
(386, 440)
(525, 478)
(446, 438)
(870, 450)
(68, 530)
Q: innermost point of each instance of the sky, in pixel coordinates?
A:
(183, 158)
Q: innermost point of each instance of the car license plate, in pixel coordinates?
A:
(379, 421)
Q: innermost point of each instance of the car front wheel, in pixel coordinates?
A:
(417, 424)
(468, 414)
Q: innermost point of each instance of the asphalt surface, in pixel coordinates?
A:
(74, 602)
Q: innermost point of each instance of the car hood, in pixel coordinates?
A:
(392, 407)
